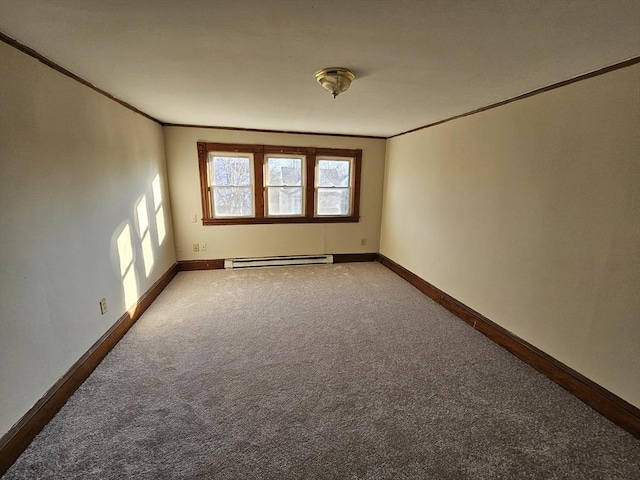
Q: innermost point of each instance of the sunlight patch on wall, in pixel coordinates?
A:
(160, 226)
(142, 217)
(127, 270)
(161, 229)
(157, 191)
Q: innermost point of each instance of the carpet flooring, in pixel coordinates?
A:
(327, 372)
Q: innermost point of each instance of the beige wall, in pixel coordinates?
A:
(74, 170)
(224, 241)
(530, 214)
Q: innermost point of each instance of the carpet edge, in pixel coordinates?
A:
(18, 438)
(608, 404)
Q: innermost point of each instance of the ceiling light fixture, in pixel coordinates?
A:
(335, 79)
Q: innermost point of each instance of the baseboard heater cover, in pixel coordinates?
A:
(265, 262)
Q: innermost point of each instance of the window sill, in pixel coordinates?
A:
(277, 220)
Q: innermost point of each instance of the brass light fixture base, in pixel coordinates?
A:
(335, 79)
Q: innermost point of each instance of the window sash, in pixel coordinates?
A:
(333, 194)
(273, 182)
(234, 198)
(284, 194)
(284, 201)
(238, 201)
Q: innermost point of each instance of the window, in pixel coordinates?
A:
(333, 186)
(231, 187)
(283, 186)
(244, 184)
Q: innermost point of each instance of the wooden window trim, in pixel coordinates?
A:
(259, 151)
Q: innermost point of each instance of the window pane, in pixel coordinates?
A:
(233, 201)
(333, 201)
(231, 171)
(284, 200)
(284, 171)
(333, 173)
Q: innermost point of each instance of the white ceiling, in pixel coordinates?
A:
(251, 63)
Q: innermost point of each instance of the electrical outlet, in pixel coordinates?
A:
(363, 241)
(103, 306)
(203, 247)
(196, 247)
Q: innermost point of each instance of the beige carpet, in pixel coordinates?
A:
(330, 372)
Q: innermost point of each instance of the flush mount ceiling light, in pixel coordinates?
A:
(335, 79)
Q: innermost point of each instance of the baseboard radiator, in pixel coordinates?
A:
(265, 262)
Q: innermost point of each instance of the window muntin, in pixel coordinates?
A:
(334, 186)
(231, 187)
(284, 186)
(255, 207)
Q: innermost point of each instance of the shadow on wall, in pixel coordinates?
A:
(125, 245)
